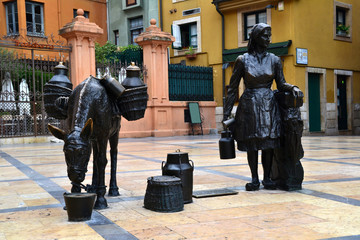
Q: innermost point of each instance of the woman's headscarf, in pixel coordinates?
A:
(254, 33)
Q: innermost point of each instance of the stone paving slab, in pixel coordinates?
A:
(33, 179)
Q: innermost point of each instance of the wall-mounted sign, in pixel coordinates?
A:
(301, 56)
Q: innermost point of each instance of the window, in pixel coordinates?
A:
(191, 11)
(12, 24)
(34, 18)
(86, 13)
(130, 2)
(250, 19)
(342, 21)
(136, 27)
(187, 34)
(116, 35)
(340, 16)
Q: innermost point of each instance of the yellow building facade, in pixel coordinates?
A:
(318, 42)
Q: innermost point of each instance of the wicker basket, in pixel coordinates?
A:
(133, 102)
(164, 194)
(51, 93)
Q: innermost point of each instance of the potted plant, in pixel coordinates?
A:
(342, 30)
(190, 53)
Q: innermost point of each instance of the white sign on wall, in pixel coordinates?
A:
(301, 56)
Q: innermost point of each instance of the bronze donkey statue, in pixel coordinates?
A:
(93, 120)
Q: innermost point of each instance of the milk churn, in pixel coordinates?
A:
(226, 142)
(226, 145)
(112, 85)
(132, 79)
(58, 86)
(133, 102)
(178, 164)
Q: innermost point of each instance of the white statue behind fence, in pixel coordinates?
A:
(7, 96)
(24, 99)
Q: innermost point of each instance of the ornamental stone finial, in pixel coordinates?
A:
(80, 12)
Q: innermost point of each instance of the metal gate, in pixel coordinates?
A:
(25, 67)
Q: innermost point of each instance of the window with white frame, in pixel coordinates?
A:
(342, 21)
(12, 25)
(187, 33)
(136, 27)
(250, 19)
(34, 18)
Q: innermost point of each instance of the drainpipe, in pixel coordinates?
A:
(161, 16)
(222, 48)
(108, 19)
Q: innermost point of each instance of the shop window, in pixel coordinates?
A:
(136, 27)
(86, 13)
(250, 19)
(187, 33)
(342, 21)
(35, 18)
(12, 25)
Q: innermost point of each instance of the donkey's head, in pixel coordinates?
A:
(77, 150)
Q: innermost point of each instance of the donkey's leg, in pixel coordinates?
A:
(101, 162)
(92, 188)
(113, 190)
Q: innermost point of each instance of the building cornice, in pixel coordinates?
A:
(226, 5)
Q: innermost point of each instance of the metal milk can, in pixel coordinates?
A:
(226, 142)
(132, 79)
(58, 86)
(178, 164)
(112, 85)
(226, 145)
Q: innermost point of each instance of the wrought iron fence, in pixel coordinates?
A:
(23, 74)
(188, 83)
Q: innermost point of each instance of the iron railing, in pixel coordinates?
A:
(23, 73)
(188, 83)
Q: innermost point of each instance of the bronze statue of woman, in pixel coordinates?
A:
(257, 119)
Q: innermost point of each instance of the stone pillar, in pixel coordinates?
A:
(155, 43)
(81, 35)
(162, 117)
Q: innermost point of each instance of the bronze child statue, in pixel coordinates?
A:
(257, 119)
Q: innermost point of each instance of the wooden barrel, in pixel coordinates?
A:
(164, 194)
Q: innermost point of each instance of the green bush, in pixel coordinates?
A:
(109, 53)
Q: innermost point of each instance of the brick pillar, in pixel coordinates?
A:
(81, 35)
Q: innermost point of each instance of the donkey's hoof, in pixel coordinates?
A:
(113, 192)
(100, 203)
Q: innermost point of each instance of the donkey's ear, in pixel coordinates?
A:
(87, 129)
(57, 132)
